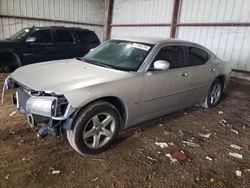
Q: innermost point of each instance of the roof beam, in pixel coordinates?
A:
(175, 13)
(108, 8)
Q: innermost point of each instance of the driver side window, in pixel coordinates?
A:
(172, 54)
(41, 36)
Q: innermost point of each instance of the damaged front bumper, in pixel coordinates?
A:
(46, 110)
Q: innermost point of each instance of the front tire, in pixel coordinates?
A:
(214, 94)
(9, 62)
(95, 128)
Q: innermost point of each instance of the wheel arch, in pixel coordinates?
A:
(119, 104)
(12, 54)
(222, 78)
(115, 101)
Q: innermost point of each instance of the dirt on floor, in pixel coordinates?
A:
(135, 160)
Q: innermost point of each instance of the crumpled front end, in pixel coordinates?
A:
(47, 110)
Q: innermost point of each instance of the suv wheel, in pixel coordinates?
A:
(95, 128)
(9, 62)
(7, 68)
(214, 94)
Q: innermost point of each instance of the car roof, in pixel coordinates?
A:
(59, 27)
(155, 40)
(162, 40)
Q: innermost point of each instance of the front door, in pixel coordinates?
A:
(165, 91)
(39, 47)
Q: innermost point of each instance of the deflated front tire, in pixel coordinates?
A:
(95, 128)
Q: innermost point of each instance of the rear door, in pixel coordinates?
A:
(39, 47)
(202, 72)
(65, 44)
(86, 41)
(165, 91)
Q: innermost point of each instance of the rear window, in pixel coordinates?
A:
(197, 56)
(63, 36)
(87, 36)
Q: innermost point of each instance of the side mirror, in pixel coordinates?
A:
(30, 39)
(161, 65)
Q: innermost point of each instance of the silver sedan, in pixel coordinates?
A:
(120, 83)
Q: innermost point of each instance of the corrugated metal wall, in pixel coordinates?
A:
(141, 11)
(90, 11)
(230, 43)
(140, 31)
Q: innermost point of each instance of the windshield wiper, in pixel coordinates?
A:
(102, 64)
(95, 63)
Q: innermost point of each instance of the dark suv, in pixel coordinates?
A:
(37, 44)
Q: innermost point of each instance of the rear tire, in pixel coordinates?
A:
(214, 94)
(95, 128)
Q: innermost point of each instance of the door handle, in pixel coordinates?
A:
(213, 70)
(184, 74)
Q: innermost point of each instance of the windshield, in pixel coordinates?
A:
(19, 35)
(121, 55)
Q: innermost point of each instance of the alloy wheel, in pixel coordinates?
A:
(99, 130)
(215, 94)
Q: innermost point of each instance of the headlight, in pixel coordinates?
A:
(44, 106)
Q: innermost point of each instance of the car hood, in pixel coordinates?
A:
(7, 43)
(63, 76)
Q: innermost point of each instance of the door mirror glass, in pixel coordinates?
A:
(31, 39)
(161, 65)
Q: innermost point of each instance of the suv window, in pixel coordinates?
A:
(173, 54)
(196, 56)
(87, 36)
(42, 36)
(63, 36)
